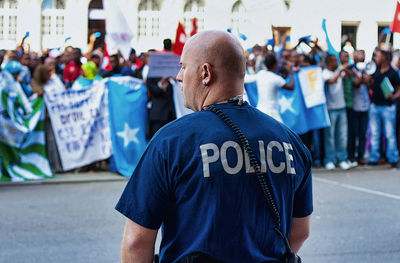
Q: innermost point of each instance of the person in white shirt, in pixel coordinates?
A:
(335, 136)
(269, 83)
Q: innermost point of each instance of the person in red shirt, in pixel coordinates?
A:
(73, 69)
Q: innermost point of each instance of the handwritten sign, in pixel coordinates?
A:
(163, 65)
(80, 122)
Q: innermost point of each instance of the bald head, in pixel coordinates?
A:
(213, 69)
(221, 50)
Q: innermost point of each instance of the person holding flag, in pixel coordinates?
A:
(268, 84)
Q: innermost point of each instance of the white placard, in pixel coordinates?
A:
(163, 65)
(312, 86)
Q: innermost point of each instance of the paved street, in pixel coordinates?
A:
(356, 219)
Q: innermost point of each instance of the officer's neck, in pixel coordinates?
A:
(219, 95)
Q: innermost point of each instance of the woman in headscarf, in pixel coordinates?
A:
(89, 76)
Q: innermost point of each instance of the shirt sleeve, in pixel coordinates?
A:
(303, 201)
(326, 75)
(248, 78)
(396, 81)
(280, 82)
(146, 197)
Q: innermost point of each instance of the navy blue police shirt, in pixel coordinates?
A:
(195, 180)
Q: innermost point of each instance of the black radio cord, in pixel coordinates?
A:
(262, 180)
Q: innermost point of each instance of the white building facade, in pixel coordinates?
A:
(53, 23)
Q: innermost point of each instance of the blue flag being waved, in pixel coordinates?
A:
(331, 49)
(296, 115)
(293, 109)
(127, 98)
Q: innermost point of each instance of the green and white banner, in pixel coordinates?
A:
(22, 137)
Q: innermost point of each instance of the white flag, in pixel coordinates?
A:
(118, 32)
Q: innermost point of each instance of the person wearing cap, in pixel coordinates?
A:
(6, 78)
(14, 68)
(25, 76)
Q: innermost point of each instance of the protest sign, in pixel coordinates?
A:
(80, 122)
(163, 65)
(312, 86)
(180, 109)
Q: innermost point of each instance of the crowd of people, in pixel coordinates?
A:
(359, 107)
(365, 121)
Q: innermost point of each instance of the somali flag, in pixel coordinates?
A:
(251, 89)
(296, 115)
(127, 99)
(292, 108)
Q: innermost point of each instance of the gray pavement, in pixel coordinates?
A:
(71, 218)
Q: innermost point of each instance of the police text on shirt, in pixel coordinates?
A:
(210, 153)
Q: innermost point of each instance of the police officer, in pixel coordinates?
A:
(195, 179)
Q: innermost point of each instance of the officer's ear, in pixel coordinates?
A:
(206, 74)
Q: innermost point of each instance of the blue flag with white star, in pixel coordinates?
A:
(127, 98)
(292, 108)
(252, 93)
(296, 115)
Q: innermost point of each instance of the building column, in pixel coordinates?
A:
(76, 23)
(367, 37)
(29, 20)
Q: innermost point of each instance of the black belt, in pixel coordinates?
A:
(204, 258)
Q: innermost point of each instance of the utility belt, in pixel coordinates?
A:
(204, 258)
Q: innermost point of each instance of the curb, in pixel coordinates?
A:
(358, 168)
(72, 178)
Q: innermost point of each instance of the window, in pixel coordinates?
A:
(349, 37)
(287, 3)
(59, 4)
(384, 38)
(46, 25)
(149, 18)
(238, 18)
(193, 9)
(8, 19)
(280, 36)
(52, 23)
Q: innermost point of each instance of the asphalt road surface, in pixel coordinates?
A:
(356, 219)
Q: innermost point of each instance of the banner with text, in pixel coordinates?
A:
(81, 127)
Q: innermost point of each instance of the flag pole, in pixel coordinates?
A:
(387, 41)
